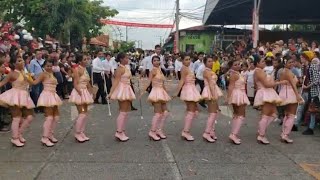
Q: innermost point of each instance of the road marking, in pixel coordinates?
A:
(170, 159)
(311, 169)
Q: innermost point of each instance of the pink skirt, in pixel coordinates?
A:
(85, 98)
(207, 95)
(123, 92)
(158, 94)
(239, 97)
(287, 96)
(266, 95)
(16, 97)
(189, 92)
(49, 99)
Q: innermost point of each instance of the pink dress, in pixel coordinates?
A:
(189, 91)
(266, 95)
(18, 95)
(238, 95)
(49, 97)
(206, 93)
(158, 93)
(123, 92)
(287, 94)
(86, 97)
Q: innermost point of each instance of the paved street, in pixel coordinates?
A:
(172, 159)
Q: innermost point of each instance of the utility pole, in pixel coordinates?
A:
(177, 49)
(160, 38)
(126, 33)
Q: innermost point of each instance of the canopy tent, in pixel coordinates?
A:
(231, 12)
(95, 41)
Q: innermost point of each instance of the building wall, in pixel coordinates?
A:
(200, 40)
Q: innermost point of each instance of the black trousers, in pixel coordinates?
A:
(109, 82)
(60, 90)
(179, 77)
(201, 84)
(98, 79)
(147, 72)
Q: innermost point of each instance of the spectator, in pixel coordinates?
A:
(36, 70)
(4, 116)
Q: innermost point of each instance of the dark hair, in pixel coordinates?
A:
(244, 64)
(205, 59)
(120, 56)
(256, 59)
(13, 60)
(157, 46)
(200, 53)
(37, 50)
(316, 42)
(278, 55)
(153, 57)
(79, 58)
(230, 63)
(184, 56)
(269, 61)
(62, 56)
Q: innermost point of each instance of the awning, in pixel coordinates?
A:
(94, 41)
(232, 12)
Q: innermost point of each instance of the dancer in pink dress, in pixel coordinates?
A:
(18, 100)
(159, 98)
(237, 97)
(210, 94)
(50, 101)
(122, 91)
(189, 94)
(266, 97)
(81, 96)
(290, 98)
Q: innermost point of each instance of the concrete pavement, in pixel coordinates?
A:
(172, 159)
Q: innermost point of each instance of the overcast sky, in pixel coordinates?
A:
(155, 12)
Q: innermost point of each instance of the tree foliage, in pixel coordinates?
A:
(276, 28)
(61, 19)
(126, 46)
(304, 27)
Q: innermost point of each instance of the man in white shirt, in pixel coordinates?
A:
(149, 65)
(110, 68)
(199, 68)
(114, 64)
(142, 67)
(177, 67)
(157, 50)
(199, 62)
(100, 68)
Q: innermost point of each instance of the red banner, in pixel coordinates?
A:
(120, 23)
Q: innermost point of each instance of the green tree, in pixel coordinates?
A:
(66, 20)
(304, 27)
(126, 46)
(276, 28)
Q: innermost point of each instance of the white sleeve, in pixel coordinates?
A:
(95, 65)
(176, 68)
(162, 62)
